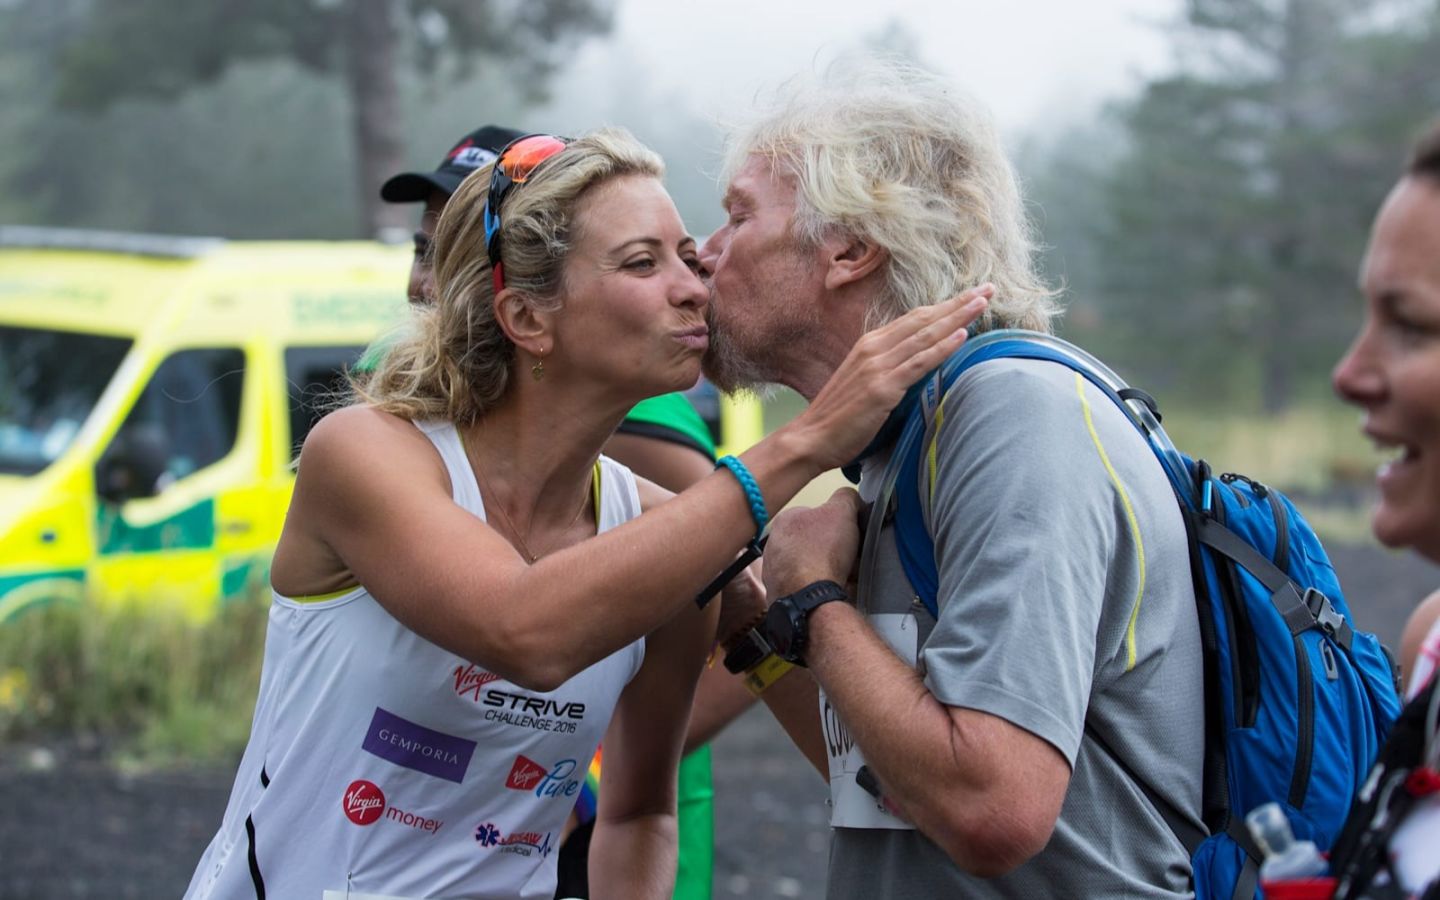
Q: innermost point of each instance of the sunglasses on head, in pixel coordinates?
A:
(515, 164)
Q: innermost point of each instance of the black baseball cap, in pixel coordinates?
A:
(474, 150)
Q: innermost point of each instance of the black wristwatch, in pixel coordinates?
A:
(787, 622)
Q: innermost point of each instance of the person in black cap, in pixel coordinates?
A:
(476, 149)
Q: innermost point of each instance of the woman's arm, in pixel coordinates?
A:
(372, 493)
(633, 851)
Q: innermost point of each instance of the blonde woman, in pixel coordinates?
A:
(463, 606)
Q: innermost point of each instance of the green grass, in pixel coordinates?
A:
(1311, 448)
(150, 685)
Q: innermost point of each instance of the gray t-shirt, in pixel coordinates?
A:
(1053, 614)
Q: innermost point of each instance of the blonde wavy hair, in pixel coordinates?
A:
(894, 155)
(453, 361)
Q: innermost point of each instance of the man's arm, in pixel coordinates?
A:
(985, 791)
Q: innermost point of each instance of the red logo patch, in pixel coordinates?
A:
(525, 774)
(464, 145)
(364, 802)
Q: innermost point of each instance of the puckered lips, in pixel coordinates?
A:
(695, 338)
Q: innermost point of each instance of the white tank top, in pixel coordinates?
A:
(380, 764)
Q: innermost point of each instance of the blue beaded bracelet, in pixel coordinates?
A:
(752, 491)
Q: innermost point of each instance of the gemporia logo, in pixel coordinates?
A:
(404, 743)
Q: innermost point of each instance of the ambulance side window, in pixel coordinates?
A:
(185, 419)
(317, 384)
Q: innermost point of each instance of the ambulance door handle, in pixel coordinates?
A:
(237, 526)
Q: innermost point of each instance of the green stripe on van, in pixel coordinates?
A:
(192, 528)
(34, 589)
(241, 574)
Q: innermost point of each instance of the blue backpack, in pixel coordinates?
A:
(1297, 700)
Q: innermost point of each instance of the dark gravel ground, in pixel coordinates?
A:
(72, 826)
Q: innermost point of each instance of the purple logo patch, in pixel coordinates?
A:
(404, 743)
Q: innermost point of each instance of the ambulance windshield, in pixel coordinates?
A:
(49, 383)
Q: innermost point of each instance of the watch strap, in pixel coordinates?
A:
(814, 595)
(787, 621)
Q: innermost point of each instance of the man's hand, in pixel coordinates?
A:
(808, 545)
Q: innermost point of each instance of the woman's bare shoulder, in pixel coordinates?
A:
(359, 422)
(1417, 628)
(350, 442)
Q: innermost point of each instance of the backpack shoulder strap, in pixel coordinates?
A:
(914, 464)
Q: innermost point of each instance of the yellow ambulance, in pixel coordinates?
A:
(153, 391)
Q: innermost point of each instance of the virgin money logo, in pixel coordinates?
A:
(527, 774)
(471, 680)
(364, 803)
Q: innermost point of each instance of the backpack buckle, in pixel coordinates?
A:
(1326, 616)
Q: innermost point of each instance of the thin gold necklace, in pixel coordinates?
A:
(500, 507)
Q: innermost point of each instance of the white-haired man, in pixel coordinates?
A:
(1066, 610)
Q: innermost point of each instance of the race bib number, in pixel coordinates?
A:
(851, 804)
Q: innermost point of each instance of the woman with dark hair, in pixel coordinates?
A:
(466, 597)
(1392, 372)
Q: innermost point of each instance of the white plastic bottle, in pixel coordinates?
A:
(1285, 857)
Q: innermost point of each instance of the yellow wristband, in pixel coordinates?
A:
(766, 673)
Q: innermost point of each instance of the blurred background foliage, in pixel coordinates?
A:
(1207, 228)
(143, 683)
(1210, 228)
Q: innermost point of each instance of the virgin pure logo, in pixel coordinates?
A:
(364, 803)
(527, 775)
(471, 680)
